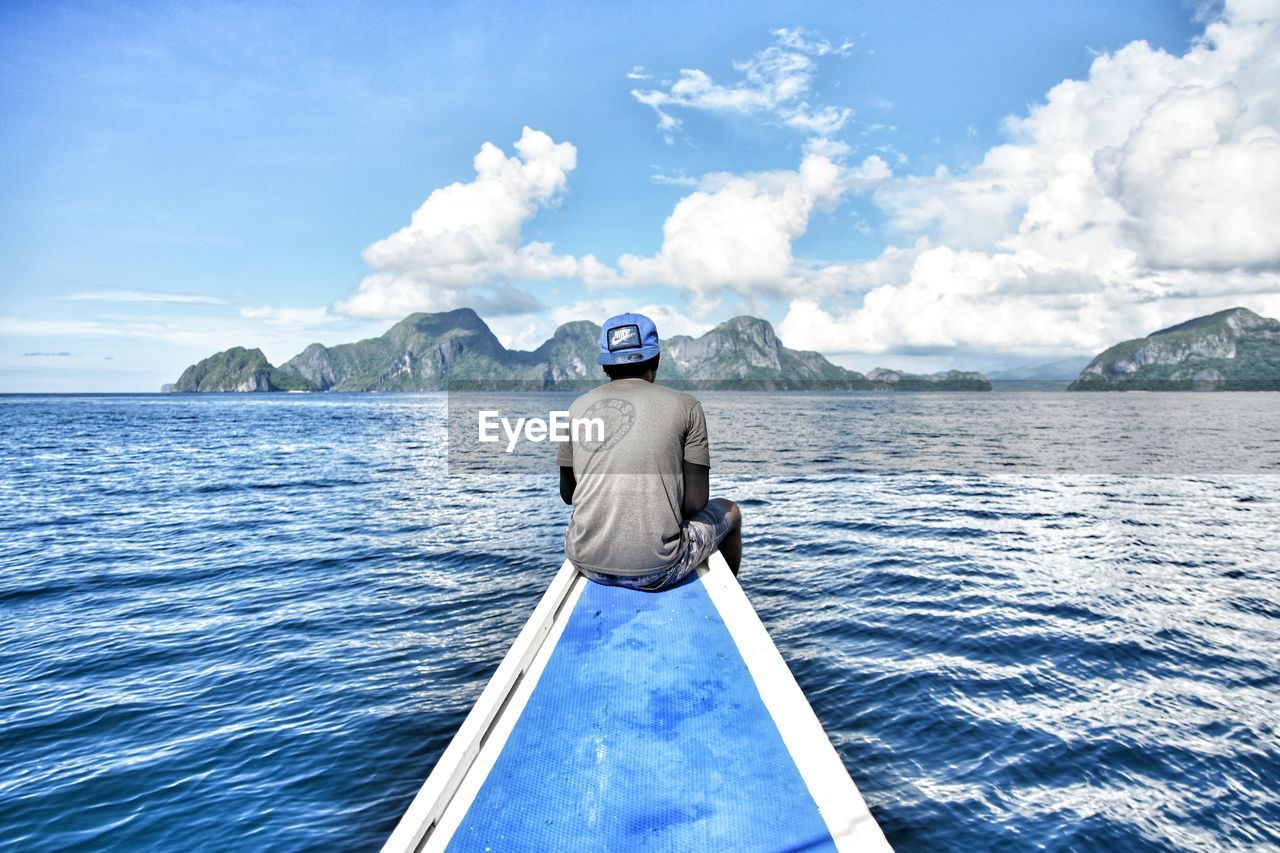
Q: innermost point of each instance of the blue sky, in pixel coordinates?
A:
(923, 185)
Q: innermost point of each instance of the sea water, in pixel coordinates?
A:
(235, 622)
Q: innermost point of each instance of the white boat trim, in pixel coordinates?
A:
(443, 801)
(850, 822)
(420, 820)
(496, 740)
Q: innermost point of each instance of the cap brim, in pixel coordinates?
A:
(625, 356)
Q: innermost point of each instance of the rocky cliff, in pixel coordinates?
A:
(1233, 350)
(419, 353)
(239, 369)
(745, 352)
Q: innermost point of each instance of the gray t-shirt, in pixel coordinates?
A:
(627, 505)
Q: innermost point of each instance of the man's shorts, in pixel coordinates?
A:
(703, 534)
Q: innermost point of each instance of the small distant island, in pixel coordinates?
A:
(434, 352)
(1232, 350)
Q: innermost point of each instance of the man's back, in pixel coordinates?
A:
(630, 486)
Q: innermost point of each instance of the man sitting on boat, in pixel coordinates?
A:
(641, 517)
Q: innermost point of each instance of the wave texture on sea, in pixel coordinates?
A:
(232, 622)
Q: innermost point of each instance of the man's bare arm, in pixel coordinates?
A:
(568, 483)
(697, 488)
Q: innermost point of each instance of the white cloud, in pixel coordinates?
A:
(832, 149)
(143, 296)
(1198, 193)
(776, 84)
(967, 300)
(279, 335)
(1143, 195)
(735, 233)
(677, 180)
(288, 316)
(468, 235)
(195, 331)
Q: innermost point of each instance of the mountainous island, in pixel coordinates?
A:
(1233, 350)
(434, 352)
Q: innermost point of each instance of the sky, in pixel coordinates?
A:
(920, 185)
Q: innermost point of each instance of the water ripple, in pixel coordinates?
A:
(231, 622)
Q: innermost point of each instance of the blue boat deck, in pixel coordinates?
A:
(645, 731)
(636, 722)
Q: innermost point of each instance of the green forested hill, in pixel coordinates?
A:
(1233, 350)
(239, 369)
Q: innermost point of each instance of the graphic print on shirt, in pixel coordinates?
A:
(618, 416)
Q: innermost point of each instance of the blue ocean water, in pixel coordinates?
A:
(1025, 620)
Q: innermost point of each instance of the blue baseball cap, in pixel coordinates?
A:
(627, 337)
